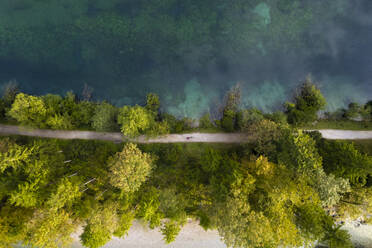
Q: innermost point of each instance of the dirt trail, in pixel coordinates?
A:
(170, 138)
(118, 137)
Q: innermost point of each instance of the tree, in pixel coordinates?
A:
(148, 207)
(58, 121)
(13, 221)
(170, 230)
(210, 160)
(66, 194)
(100, 226)
(266, 136)
(356, 203)
(50, 229)
(206, 122)
(230, 109)
(342, 159)
(10, 91)
(82, 114)
(152, 103)
(129, 168)
(353, 111)
(310, 217)
(299, 153)
(87, 92)
(335, 237)
(248, 117)
(124, 224)
(2, 109)
(29, 110)
(259, 210)
(53, 103)
(134, 120)
(308, 101)
(13, 155)
(104, 118)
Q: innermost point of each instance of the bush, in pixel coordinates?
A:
(248, 117)
(135, 120)
(105, 117)
(28, 110)
(306, 104)
(152, 103)
(353, 111)
(10, 92)
(205, 121)
(170, 230)
(277, 117)
(228, 120)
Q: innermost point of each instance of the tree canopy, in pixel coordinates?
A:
(307, 102)
(129, 168)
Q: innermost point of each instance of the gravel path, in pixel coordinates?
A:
(170, 138)
(193, 236)
(140, 236)
(345, 134)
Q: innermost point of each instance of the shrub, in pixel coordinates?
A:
(105, 117)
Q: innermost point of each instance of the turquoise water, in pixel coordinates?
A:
(190, 52)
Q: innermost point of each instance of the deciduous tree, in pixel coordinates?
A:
(104, 118)
(129, 168)
(29, 110)
(134, 120)
(307, 102)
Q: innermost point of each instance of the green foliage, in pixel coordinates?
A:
(336, 237)
(342, 159)
(228, 120)
(277, 117)
(2, 109)
(52, 111)
(256, 214)
(251, 201)
(307, 102)
(50, 229)
(230, 109)
(10, 92)
(211, 160)
(100, 226)
(28, 110)
(124, 224)
(353, 111)
(148, 207)
(66, 193)
(13, 155)
(105, 117)
(129, 168)
(170, 231)
(13, 222)
(82, 114)
(59, 122)
(247, 118)
(152, 103)
(310, 218)
(356, 203)
(134, 120)
(206, 122)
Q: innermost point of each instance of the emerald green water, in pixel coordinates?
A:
(188, 51)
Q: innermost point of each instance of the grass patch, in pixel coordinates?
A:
(341, 124)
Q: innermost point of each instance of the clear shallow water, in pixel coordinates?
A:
(189, 51)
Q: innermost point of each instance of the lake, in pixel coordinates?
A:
(190, 52)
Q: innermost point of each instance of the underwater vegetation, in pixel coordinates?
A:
(183, 50)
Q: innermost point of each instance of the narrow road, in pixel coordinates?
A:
(170, 138)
